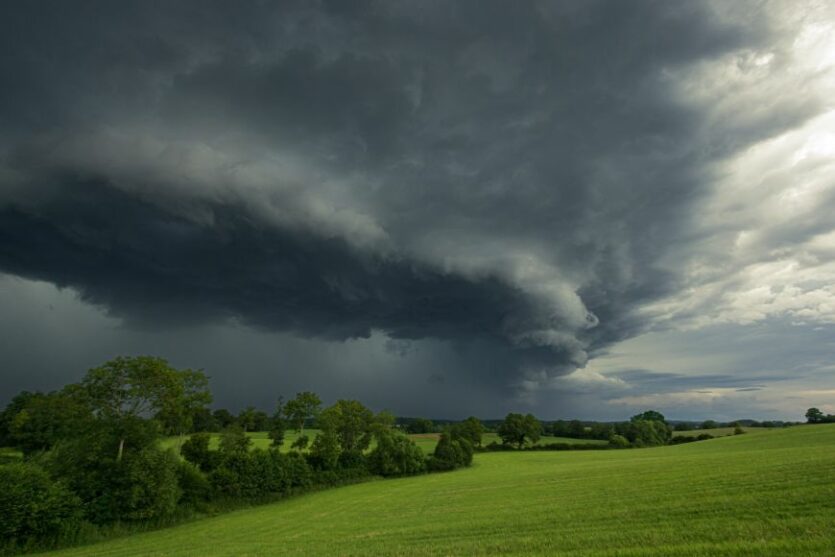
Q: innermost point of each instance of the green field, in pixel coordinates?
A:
(769, 493)
(426, 441)
(719, 431)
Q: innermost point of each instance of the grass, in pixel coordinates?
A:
(765, 494)
(426, 441)
(719, 431)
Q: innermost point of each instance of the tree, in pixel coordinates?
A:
(278, 425)
(470, 429)
(246, 418)
(17, 404)
(306, 405)
(395, 455)
(128, 389)
(451, 452)
(815, 416)
(223, 418)
(650, 415)
(45, 419)
(518, 429)
(709, 424)
(325, 450)
(179, 409)
(234, 440)
(351, 422)
(421, 425)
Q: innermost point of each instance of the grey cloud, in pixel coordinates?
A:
(503, 178)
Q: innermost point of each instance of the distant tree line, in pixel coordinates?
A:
(815, 416)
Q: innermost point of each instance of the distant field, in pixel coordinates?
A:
(720, 431)
(766, 494)
(426, 441)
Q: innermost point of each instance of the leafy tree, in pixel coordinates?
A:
(815, 416)
(223, 419)
(234, 440)
(470, 429)
(17, 404)
(278, 425)
(395, 455)
(518, 429)
(421, 425)
(683, 426)
(196, 450)
(127, 389)
(709, 424)
(45, 419)
(645, 433)
(203, 420)
(298, 410)
(142, 485)
(576, 429)
(325, 450)
(451, 452)
(189, 396)
(246, 418)
(351, 422)
(651, 416)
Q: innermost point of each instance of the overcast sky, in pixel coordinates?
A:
(579, 209)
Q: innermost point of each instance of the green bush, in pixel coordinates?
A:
(196, 450)
(194, 486)
(618, 441)
(33, 507)
(395, 455)
(450, 453)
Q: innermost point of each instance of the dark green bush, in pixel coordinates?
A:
(33, 507)
(395, 455)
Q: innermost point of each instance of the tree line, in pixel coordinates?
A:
(94, 457)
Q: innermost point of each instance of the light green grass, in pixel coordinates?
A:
(721, 431)
(765, 494)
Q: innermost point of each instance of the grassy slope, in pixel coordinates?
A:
(769, 493)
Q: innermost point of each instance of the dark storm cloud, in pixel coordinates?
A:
(477, 172)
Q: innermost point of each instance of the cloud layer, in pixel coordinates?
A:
(541, 181)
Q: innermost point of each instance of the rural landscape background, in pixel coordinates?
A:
(417, 277)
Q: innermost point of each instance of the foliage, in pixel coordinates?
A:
(420, 425)
(709, 424)
(815, 416)
(196, 451)
(470, 429)
(300, 443)
(234, 440)
(451, 452)
(649, 416)
(45, 419)
(325, 450)
(33, 506)
(278, 425)
(645, 433)
(303, 407)
(395, 455)
(519, 430)
(618, 441)
(351, 422)
(126, 389)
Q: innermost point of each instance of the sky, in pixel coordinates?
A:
(577, 209)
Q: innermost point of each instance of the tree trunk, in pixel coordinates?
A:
(121, 450)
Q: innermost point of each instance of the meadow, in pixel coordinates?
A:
(765, 493)
(426, 441)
